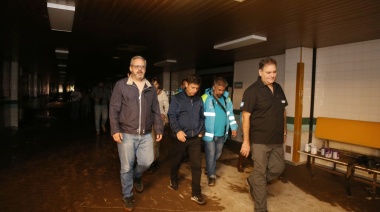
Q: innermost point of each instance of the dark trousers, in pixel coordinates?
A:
(193, 148)
(269, 163)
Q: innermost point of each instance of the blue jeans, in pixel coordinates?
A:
(213, 150)
(100, 110)
(134, 146)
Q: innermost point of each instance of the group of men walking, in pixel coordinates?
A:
(134, 108)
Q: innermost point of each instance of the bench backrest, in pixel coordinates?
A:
(363, 133)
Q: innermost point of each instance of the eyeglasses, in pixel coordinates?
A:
(138, 67)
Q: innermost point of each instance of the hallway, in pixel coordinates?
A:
(61, 165)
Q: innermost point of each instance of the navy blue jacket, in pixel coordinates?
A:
(186, 114)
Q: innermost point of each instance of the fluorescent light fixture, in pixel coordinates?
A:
(61, 6)
(244, 41)
(61, 16)
(63, 51)
(62, 65)
(165, 62)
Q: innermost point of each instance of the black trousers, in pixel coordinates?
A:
(193, 147)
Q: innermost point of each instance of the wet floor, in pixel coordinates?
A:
(55, 164)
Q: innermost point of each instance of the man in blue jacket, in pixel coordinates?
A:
(187, 123)
(218, 110)
(134, 109)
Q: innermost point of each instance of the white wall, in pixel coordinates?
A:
(347, 86)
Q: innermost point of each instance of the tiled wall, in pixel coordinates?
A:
(347, 86)
(347, 81)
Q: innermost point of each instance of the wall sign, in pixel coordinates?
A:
(238, 84)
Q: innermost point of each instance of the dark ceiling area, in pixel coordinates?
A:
(182, 30)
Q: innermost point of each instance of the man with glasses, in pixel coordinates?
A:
(134, 109)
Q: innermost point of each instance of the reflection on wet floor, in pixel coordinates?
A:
(55, 164)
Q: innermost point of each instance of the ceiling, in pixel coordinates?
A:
(182, 30)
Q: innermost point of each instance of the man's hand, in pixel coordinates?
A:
(158, 137)
(118, 137)
(245, 149)
(181, 136)
(234, 133)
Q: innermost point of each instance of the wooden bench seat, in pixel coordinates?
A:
(354, 132)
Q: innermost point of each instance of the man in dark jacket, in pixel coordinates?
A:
(187, 123)
(134, 110)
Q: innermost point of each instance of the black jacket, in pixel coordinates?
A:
(186, 114)
(131, 114)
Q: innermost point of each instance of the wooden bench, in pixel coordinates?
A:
(359, 133)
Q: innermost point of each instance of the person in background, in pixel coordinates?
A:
(101, 96)
(264, 131)
(163, 102)
(187, 123)
(86, 104)
(134, 109)
(183, 85)
(75, 97)
(218, 111)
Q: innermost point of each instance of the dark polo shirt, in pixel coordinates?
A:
(267, 112)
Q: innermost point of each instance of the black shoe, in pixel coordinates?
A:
(129, 203)
(139, 186)
(173, 185)
(250, 188)
(211, 181)
(198, 199)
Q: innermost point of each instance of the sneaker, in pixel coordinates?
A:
(250, 188)
(129, 203)
(211, 181)
(173, 185)
(198, 199)
(139, 186)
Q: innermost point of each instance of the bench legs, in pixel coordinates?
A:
(374, 186)
(350, 172)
